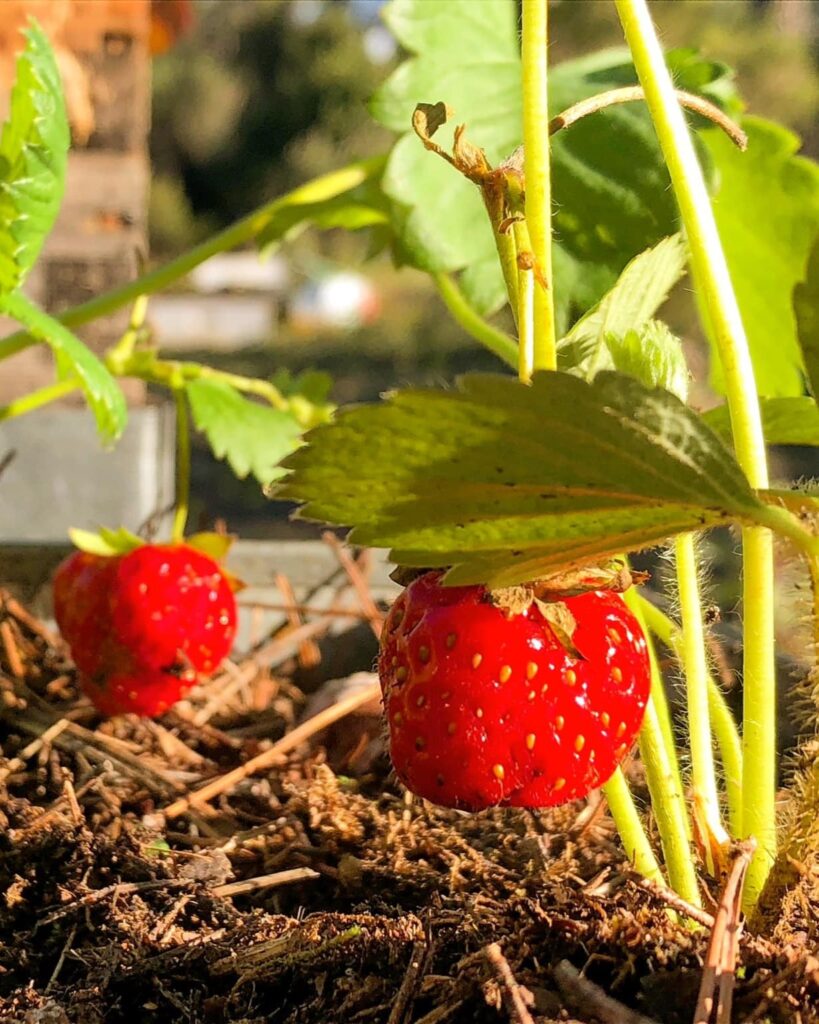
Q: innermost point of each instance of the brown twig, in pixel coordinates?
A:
(590, 999)
(358, 580)
(13, 658)
(118, 889)
(314, 609)
(309, 654)
(276, 651)
(671, 899)
(19, 762)
(510, 989)
(273, 881)
(719, 971)
(412, 977)
(270, 756)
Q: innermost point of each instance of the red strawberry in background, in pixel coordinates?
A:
(488, 708)
(143, 624)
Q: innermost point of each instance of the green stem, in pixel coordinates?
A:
(37, 399)
(244, 230)
(630, 827)
(537, 174)
(183, 465)
(722, 721)
(667, 797)
(713, 283)
(703, 776)
(525, 302)
(490, 337)
(508, 256)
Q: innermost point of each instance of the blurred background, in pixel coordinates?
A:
(187, 114)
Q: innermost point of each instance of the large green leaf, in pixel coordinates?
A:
(505, 481)
(767, 210)
(641, 289)
(104, 396)
(784, 420)
(33, 151)
(806, 311)
(252, 437)
(611, 190)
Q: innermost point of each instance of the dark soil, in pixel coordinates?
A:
(112, 910)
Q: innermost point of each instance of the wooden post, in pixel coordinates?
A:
(102, 47)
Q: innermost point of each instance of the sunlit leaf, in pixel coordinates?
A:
(506, 482)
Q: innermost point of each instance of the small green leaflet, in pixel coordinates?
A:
(507, 482)
(251, 436)
(767, 211)
(641, 289)
(611, 193)
(103, 394)
(784, 420)
(806, 311)
(653, 355)
(33, 152)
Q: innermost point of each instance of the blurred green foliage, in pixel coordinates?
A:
(258, 99)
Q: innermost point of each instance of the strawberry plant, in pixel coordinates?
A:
(578, 195)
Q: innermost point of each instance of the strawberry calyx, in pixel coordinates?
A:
(106, 543)
(549, 594)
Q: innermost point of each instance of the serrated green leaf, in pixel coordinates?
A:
(784, 420)
(103, 394)
(653, 355)
(641, 289)
(107, 543)
(33, 152)
(610, 188)
(767, 211)
(251, 437)
(806, 311)
(506, 482)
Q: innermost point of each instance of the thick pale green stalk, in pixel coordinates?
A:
(244, 230)
(37, 399)
(490, 337)
(723, 724)
(630, 827)
(667, 797)
(695, 665)
(537, 173)
(713, 283)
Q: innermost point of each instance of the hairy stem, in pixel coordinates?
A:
(630, 827)
(667, 797)
(713, 283)
(490, 337)
(703, 776)
(537, 172)
(723, 725)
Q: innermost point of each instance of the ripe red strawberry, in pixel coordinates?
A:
(142, 625)
(484, 710)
